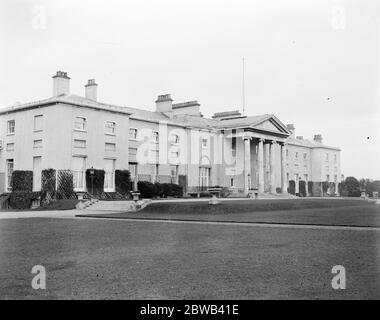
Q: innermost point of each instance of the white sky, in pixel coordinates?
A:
(313, 63)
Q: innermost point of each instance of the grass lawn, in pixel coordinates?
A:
(93, 258)
(343, 212)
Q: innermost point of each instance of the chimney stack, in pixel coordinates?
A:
(164, 103)
(61, 84)
(91, 90)
(318, 138)
(292, 130)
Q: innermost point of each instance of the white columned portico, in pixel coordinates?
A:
(272, 184)
(260, 160)
(247, 164)
(284, 184)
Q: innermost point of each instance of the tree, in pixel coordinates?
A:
(352, 186)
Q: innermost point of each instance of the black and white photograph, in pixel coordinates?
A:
(190, 155)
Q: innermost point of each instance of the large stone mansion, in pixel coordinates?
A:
(175, 143)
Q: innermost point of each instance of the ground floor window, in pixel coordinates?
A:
(109, 177)
(10, 166)
(37, 173)
(78, 169)
(174, 174)
(204, 177)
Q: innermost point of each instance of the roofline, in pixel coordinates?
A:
(58, 100)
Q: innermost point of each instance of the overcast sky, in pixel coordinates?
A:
(311, 63)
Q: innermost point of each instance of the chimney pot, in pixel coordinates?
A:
(164, 103)
(318, 138)
(292, 129)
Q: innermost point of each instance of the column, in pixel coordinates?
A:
(306, 185)
(247, 164)
(272, 183)
(260, 158)
(284, 183)
(296, 180)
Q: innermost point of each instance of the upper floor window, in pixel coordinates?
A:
(132, 151)
(327, 177)
(79, 143)
(204, 143)
(296, 155)
(37, 143)
(155, 136)
(327, 156)
(233, 146)
(110, 127)
(335, 157)
(11, 126)
(305, 156)
(175, 138)
(10, 146)
(38, 122)
(80, 123)
(110, 146)
(287, 153)
(132, 133)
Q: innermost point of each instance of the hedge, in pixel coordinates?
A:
(162, 190)
(22, 199)
(302, 188)
(48, 180)
(22, 180)
(95, 186)
(292, 187)
(123, 181)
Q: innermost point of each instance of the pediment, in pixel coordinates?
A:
(271, 125)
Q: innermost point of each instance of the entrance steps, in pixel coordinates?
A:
(111, 206)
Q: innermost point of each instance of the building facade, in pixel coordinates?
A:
(175, 144)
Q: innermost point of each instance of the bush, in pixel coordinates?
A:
(146, 189)
(65, 189)
(22, 180)
(95, 186)
(351, 185)
(302, 188)
(162, 190)
(123, 181)
(48, 180)
(22, 199)
(292, 187)
(310, 187)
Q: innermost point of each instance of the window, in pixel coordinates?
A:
(335, 178)
(10, 146)
(327, 177)
(80, 123)
(78, 168)
(37, 143)
(296, 155)
(132, 151)
(232, 182)
(175, 138)
(174, 173)
(204, 143)
(335, 158)
(110, 146)
(11, 126)
(109, 176)
(287, 153)
(304, 155)
(233, 146)
(327, 168)
(38, 123)
(133, 170)
(327, 156)
(110, 127)
(204, 177)
(10, 165)
(79, 143)
(155, 136)
(155, 153)
(155, 172)
(133, 133)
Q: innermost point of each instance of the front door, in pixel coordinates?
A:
(37, 173)
(109, 177)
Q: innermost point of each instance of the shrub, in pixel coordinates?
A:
(48, 180)
(95, 185)
(65, 189)
(22, 199)
(146, 189)
(123, 181)
(22, 180)
(310, 187)
(302, 188)
(292, 187)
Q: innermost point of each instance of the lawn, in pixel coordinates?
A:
(306, 211)
(129, 259)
